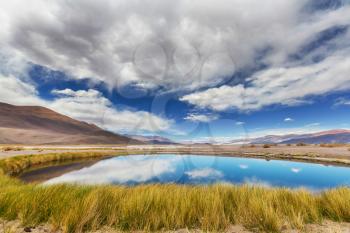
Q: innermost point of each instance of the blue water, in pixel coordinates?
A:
(195, 169)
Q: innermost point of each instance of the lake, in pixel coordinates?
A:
(197, 169)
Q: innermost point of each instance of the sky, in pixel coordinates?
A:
(189, 70)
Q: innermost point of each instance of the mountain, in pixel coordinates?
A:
(331, 136)
(39, 125)
(157, 140)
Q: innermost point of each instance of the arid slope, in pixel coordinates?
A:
(39, 125)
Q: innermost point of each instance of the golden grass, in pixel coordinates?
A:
(75, 208)
(165, 207)
(15, 165)
(332, 145)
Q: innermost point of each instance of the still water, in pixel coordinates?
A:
(195, 169)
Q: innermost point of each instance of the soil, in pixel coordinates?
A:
(325, 227)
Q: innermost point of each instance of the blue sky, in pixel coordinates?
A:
(187, 70)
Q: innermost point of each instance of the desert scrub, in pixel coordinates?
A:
(301, 144)
(12, 148)
(76, 208)
(332, 145)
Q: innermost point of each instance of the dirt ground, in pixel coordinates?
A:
(326, 227)
(312, 151)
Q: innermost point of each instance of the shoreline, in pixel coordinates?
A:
(54, 154)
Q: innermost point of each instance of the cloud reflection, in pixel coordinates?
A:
(204, 173)
(120, 170)
(243, 166)
(295, 170)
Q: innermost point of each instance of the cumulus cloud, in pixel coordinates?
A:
(186, 44)
(288, 119)
(92, 106)
(86, 105)
(342, 101)
(287, 86)
(201, 117)
(15, 91)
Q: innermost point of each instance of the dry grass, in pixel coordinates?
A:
(332, 145)
(301, 144)
(15, 165)
(12, 148)
(75, 208)
(167, 207)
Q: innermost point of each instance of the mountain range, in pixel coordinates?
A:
(40, 125)
(330, 136)
(153, 139)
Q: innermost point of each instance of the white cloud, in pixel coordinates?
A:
(15, 91)
(201, 117)
(313, 124)
(286, 86)
(86, 105)
(155, 43)
(342, 101)
(305, 129)
(240, 123)
(204, 173)
(288, 119)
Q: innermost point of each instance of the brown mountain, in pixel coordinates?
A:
(39, 125)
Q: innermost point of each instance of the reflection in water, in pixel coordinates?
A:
(135, 169)
(207, 173)
(194, 169)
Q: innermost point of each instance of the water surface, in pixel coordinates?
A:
(195, 169)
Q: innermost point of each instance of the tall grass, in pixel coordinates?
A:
(15, 165)
(75, 208)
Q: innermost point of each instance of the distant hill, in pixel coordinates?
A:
(331, 136)
(342, 136)
(157, 140)
(39, 125)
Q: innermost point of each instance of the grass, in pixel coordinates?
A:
(15, 165)
(75, 208)
(12, 148)
(167, 207)
(301, 144)
(332, 145)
